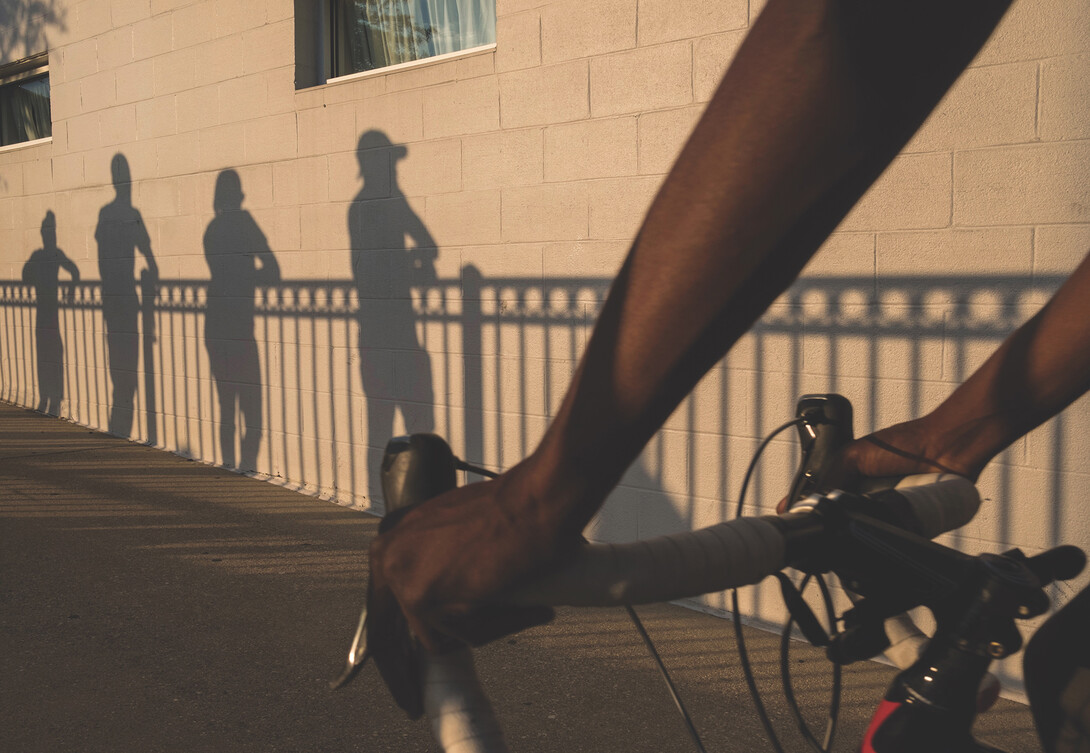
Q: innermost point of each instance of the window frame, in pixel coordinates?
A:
(420, 63)
(33, 66)
(328, 40)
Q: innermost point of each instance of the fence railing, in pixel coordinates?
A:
(485, 361)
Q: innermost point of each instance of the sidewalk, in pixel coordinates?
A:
(150, 603)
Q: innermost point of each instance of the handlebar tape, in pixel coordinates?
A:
(728, 555)
(738, 553)
(941, 502)
(460, 715)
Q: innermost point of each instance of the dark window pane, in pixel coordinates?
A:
(371, 34)
(24, 111)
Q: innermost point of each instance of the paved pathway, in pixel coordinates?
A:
(150, 603)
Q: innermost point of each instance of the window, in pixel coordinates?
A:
(340, 37)
(24, 101)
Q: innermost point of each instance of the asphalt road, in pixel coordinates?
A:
(151, 603)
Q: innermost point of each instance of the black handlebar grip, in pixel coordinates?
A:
(416, 468)
(825, 430)
(1062, 563)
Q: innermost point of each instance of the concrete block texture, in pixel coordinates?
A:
(603, 148)
(558, 211)
(269, 46)
(98, 91)
(176, 71)
(518, 41)
(93, 16)
(125, 12)
(547, 94)
(115, 48)
(152, 36)
(666, 21)
(618, 206)
(156, 117)
(993, 105)
(446, 270)
(1057, 249)
(1040, 183)
(649, 78)
(1036, 29)
(65, 100)
(662, 135)
(431, 167)
(1065, 90)
(573, 29)
(464, 107)
(955, 251)
(711, 57)
(914, 192)
(191, 25)
(503, 158)
(464, 218)
(135, 81)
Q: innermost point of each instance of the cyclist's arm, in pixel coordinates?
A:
(1037, 372)
(820, 98)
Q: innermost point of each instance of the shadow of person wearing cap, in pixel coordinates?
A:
(392, 252)
(42, 271)
(239, 259)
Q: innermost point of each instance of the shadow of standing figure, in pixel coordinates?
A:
(239, 259)
(42, 271)
(392, 252)
(120, 234)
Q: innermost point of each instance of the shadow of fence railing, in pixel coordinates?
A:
(497, 354)
(500, 354)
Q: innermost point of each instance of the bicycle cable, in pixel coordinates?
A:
(462, 465)
(788, 689)
(743, 654)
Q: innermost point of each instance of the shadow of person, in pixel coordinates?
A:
(120, 233)
(392, 252)
(42, 271)
(239, 259)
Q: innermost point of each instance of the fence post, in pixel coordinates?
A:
(148, 287)
(472, 363)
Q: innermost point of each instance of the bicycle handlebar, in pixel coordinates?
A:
(738, 553)
(728, 555)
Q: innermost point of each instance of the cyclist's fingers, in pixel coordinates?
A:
(390, 642)
(485, 624)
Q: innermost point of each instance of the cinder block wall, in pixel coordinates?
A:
(520, 174)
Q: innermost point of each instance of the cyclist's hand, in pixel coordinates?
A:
(899, 450)
(438, 572)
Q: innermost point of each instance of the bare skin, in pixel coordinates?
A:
(820, 98)
(1036, 373)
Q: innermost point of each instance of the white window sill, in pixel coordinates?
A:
(422, 63)
(25, 144)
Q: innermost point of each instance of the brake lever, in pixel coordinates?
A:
(357, 654)
(414, 469)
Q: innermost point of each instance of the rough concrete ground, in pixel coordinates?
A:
(150, 603)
